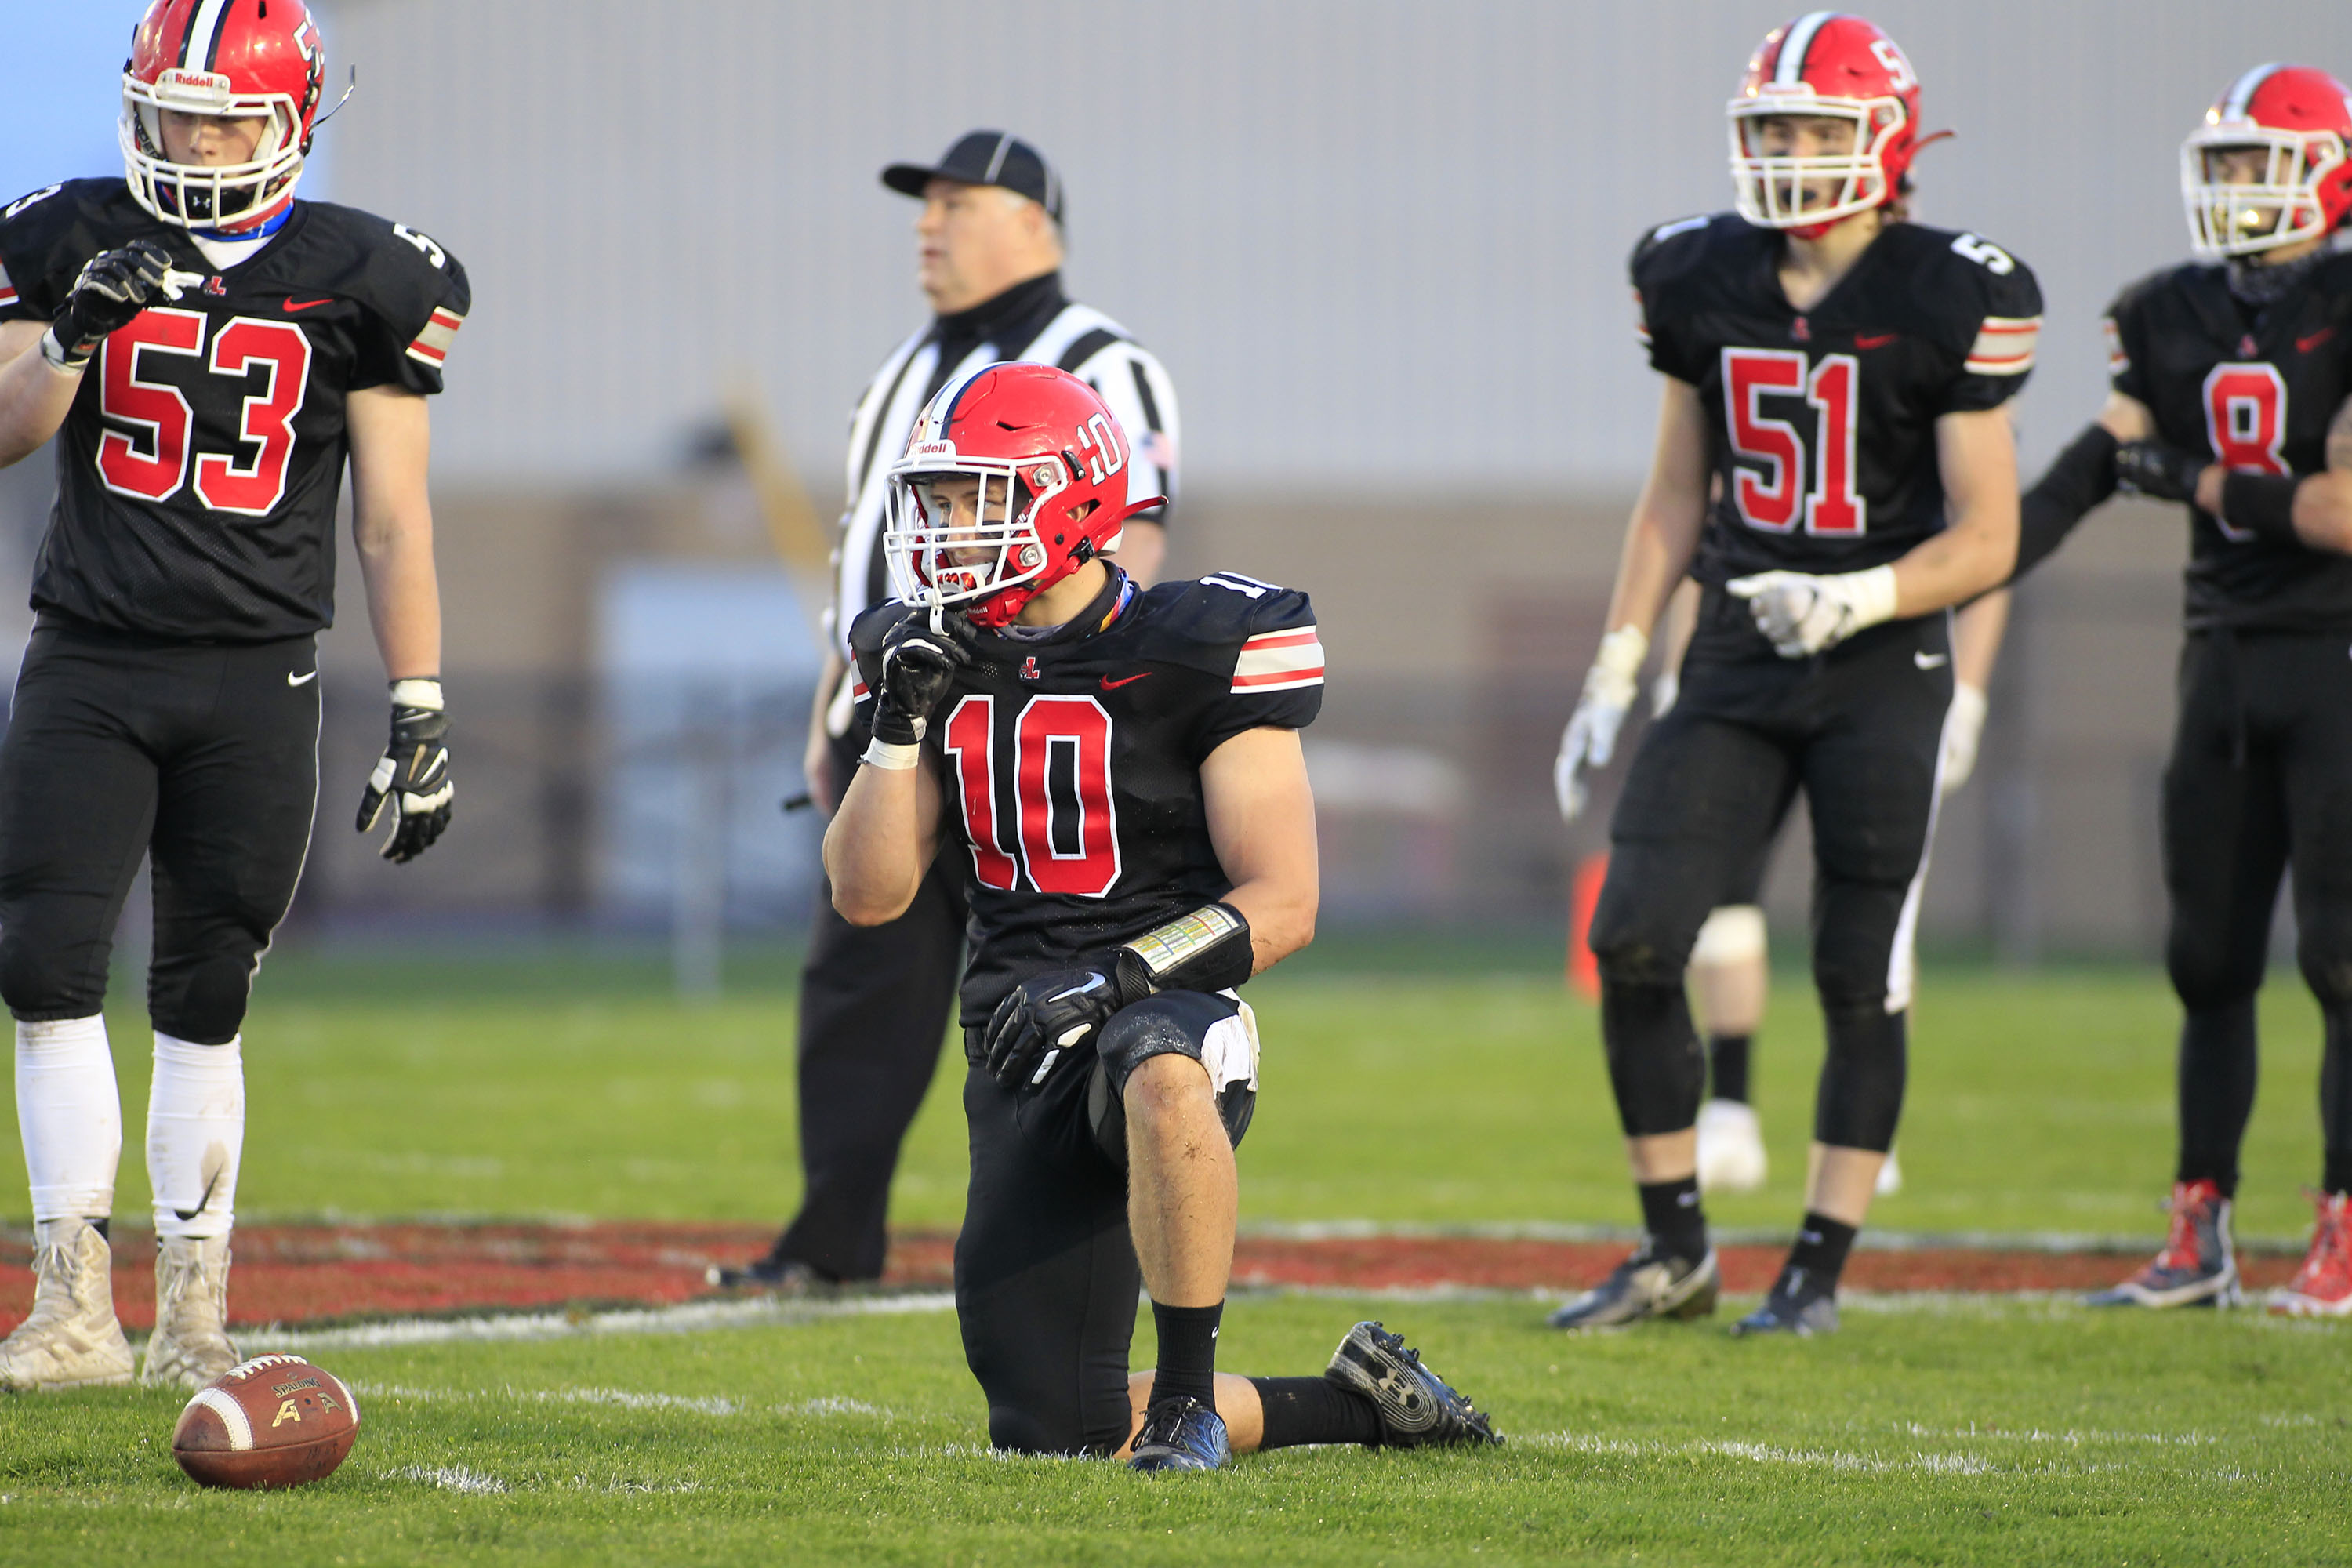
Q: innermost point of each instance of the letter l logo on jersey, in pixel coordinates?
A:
(1029, 671)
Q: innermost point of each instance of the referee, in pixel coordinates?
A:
(874, 1000)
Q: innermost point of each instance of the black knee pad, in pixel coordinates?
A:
(2209, 970)
(1633, 951)
(201, 1000)
(41, 985)
(1172, 1024)
(1656, 1065)
(1860, 1099)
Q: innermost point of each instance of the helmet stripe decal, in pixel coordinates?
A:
(1788, 70)
(202, 46)
(2241, 91)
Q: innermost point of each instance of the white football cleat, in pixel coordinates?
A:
(1730, 1147)
(190, 1346)
(1890, 1176)
(71, 1339)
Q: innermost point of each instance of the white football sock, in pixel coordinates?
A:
(195, 1132)
(70, 1117)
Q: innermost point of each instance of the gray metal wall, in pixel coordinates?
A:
(1377, 243)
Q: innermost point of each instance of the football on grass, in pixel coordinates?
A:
(273, 1421)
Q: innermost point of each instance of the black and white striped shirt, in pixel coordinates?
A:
(1033, 322)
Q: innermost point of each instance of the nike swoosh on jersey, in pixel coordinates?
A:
(1871, 340)
(1931, 661)
(294, 679)
(294, 305)
(1110, 685)
(2305, 345)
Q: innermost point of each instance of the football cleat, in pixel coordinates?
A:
(1730, 1147)
(1650, 1284)
(2322, 1288)
(71, 1339)
(2198, 1268)
(783, 1276)
(1180, 1435)
(1800, 1303)
(1418, 1409)
(190, 1346)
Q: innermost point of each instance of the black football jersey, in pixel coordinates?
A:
(1822, 422)
(2256, 389)
(199, 467)
(1072, 761)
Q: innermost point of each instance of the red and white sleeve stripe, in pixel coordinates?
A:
(432, 344)
(7, 289)
(1280, 661)
(2005, 346)
(2118, 362)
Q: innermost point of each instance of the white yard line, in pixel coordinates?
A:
(694, 1317)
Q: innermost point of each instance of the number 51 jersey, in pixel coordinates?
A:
(199, 467)
(1821, 421)
(1072, 762)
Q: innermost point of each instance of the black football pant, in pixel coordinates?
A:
(1860, 730)
(874, 1008)
(205, 758)
(2260, 780)
(1045, 1273)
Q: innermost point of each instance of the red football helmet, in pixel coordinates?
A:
(2300, 119)
(1835, 67)
(232, 59)
(1051, 462)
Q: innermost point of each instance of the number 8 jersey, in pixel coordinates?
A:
(1822, 422)
(1071, 762)
(199, 467)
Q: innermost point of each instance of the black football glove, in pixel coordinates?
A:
(113, 288)
(918, 665)
(413, 774)
(1046, 1020)
(2160, 472)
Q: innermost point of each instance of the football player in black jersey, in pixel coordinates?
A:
(2232, 393)
(206, 351)
(1839, 372)
(1123, 768)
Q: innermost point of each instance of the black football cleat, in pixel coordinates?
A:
(1650, 1284)
(781, 1276)
(1417, 1407)
(1180, 1435)
(1798, 1304)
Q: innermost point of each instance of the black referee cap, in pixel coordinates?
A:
(986, 158)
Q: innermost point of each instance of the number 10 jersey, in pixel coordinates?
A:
(1072, 762)
(1821, 423)
(199, 467)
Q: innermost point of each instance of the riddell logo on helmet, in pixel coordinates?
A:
(195, 84)
(932, 450)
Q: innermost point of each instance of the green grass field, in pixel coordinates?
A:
(1931, 1430)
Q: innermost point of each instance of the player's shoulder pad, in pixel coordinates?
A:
(47, 235)
(2182, 276)
(1972, 274)
(1226, 622)
(403, 274)
(1674, 250)
(872, 627)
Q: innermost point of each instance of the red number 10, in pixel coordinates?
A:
(1771, 500)
(1067, 845)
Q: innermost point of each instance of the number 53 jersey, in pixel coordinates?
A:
(1072, 762)
(1822, 422)
(199, 467)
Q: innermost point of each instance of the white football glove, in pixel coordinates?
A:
(1591, 740)
(1963, 727)
(1801, 615)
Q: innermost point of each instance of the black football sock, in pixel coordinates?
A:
(1300, 1410)
(1188, 1352)
(100, 1224)
(2216, 1091)
(1822, 1245)
(1671, 1213)
(2336, 1099)
(1727, 1066)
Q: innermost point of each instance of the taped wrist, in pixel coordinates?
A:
(2082, 475)
(2262, 504)
(1208, 950)
(896, 756)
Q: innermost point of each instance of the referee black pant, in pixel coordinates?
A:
(873, 1011)
(205, 757)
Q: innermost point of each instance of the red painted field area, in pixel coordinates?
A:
(310, 1274)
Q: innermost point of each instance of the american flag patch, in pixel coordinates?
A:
(2005, 346)
(432, 344)
(7, 289)
(1280, 661)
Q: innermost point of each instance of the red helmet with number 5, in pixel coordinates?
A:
(1828, 66)
(1050, 465)
(2271, 164)
(233, 60)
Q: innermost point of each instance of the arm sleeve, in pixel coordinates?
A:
(418, 298)
(1277, 672)
(1143, 400)
(2082, 477)
(2007, 327)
